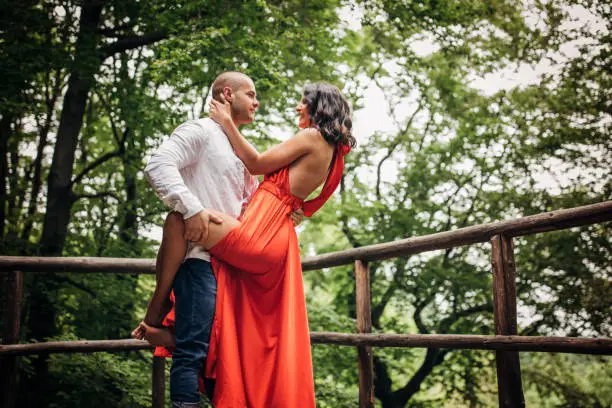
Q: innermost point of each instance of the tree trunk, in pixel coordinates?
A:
(5, 131)
(59, 199)
(37, 178)
(43, 293)
(129, 226)
(15, 197)
(399, 398)
(128, 230)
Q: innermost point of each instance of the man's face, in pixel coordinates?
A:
(244, 103)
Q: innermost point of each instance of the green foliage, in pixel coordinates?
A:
(335, 367)
(158, 62)
(100, 379)
(560, 380)
(457, 156)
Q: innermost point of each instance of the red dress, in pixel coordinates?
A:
(259, 349)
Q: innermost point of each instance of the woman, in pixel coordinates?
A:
(260, 345)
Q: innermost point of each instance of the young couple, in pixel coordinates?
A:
(236, 324)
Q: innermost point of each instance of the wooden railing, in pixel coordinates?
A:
(505, 342)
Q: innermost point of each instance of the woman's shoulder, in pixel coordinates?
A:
(310, 134)
(316, 142)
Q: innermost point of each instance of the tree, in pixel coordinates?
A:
(105, 82)
(461, 157)
(92, 86)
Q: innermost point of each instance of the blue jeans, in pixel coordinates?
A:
(195, 291)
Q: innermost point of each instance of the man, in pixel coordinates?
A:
(196, 168)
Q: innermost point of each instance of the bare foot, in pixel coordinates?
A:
(157, 336)
(139, 332)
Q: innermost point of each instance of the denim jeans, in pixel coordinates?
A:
(195, 291)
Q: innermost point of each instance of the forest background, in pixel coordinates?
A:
(465, 113)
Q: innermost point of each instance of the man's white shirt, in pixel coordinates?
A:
(197, 168)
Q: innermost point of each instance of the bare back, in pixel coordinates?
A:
(308, 172)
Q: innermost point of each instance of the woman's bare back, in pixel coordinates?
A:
(310, 171)
(306, 174)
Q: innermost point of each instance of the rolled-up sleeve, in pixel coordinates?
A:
(178, 152)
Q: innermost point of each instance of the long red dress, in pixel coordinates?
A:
(259, 349)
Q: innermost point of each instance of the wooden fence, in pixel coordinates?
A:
(505, 342)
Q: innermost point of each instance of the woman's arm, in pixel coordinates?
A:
(273, 159)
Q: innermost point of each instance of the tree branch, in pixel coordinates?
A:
(381, 162)
(110, 117)
(395, 284)
(344, 220)
(532, 329)
(434, 357)
(417, 316)
(379, 308)
(382, 383)
(76, 284)
(112, 31)
(427, 126)
(100, 160)
(569, 392)
(132, 42)
(447, 322)
(469, 212)
(124, 137)
(348, 233)
(414, 384)
(76, 197)
(106, 233)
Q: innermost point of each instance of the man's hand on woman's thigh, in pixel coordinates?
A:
(196, 227)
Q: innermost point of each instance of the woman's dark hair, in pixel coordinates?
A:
(330, 113)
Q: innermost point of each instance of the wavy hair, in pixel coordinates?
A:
(330, 113)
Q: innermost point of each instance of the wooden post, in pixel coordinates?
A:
(158, 382)
(510, 390)
(364, 325)
(10, 335)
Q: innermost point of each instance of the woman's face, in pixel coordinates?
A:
(303, 118)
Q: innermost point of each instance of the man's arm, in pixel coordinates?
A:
(182, 149)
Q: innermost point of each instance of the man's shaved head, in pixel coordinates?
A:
(239, 91)
(228, 79)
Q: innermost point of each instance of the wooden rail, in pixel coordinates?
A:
(550, 221)
(575, 345)
(364, 325)
(505, 343)
(504, 305)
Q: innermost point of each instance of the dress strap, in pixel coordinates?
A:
(332, 182)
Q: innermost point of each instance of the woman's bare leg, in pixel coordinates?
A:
(169, 258)
(216, 232)
(158, 336)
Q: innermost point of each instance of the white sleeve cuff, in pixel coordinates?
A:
(192, 211)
